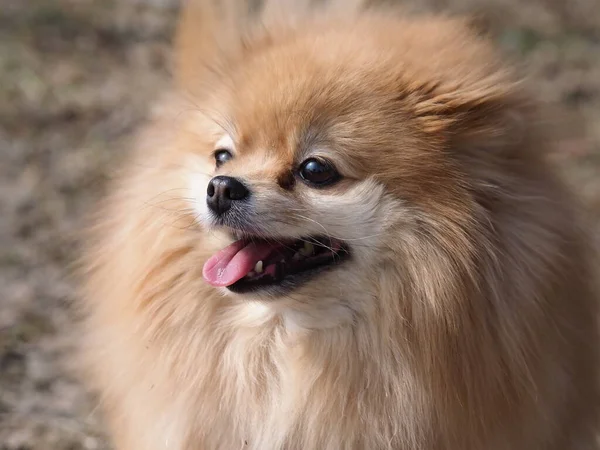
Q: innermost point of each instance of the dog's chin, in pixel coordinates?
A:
(292, 263)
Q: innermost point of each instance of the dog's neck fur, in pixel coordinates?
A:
(279, 372)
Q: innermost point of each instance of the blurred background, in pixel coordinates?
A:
(76, 79)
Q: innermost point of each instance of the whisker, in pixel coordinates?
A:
(300, 216)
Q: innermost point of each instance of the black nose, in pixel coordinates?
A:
(222, 191)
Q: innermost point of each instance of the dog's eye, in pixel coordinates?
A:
(222, 156)
(318, 172)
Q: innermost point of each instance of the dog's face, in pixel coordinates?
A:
(283, 182)
(325, 161)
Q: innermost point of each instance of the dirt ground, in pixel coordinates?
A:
(78, 76)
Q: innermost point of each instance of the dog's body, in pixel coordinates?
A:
(464, 317)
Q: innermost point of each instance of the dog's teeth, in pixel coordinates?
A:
(251, 274)
(258, 268)
(307, 250)
(297, 256)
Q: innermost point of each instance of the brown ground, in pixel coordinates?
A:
(77, 77)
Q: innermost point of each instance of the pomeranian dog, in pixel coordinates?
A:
(340, 232)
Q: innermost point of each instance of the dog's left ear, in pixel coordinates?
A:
(490, 114)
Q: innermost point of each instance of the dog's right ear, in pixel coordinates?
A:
(209, 36)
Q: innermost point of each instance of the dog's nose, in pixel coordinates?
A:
(222, 191)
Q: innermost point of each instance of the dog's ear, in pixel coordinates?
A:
(213, 34)
(291, 10)
(491, 114)
(208, 36)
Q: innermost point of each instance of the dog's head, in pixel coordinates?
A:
(335, 152)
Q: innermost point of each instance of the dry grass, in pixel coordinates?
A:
(77, 77)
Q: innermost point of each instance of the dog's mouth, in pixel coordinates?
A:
(256, 264)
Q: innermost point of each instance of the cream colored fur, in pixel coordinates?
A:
(466, 318)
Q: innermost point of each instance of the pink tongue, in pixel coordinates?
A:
(234, 262)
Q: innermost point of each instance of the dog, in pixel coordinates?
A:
(340, 231)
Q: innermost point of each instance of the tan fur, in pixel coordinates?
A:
(466, 318)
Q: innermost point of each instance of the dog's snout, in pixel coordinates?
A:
(222, 191)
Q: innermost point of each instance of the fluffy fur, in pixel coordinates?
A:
(466, 318)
